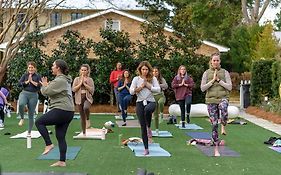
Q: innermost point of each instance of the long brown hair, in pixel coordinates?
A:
(159, 78)
(148, 65)
(123, 77)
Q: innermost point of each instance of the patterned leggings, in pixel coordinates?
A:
(214, 114)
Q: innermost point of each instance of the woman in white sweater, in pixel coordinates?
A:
(143, 85)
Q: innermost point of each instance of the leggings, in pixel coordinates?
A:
(61, 119)
(116, 93)
(84, 110)
(30, 99)
(2, 115)
(185, 104)
(144, 114)
(124, 100)
(160, 101)
(213, 110)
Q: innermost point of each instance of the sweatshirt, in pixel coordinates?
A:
(59, 93)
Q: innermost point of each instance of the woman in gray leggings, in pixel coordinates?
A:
(30, 82)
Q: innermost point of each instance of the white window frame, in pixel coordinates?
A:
(114, 21)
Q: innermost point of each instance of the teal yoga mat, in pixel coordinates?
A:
(154, 150)
(189, 126)
(162, 134)
(71, 153)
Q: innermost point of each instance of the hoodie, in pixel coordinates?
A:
(59, 93)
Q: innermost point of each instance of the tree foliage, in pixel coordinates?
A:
(267, 46)
(29, 51)
(73, 49)
(114, 47)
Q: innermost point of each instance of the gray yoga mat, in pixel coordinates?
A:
(130, 124)
(224, 151)
(200, 135)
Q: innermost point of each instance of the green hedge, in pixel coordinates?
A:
(261, 81)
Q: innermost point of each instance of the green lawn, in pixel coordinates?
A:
(99, 157)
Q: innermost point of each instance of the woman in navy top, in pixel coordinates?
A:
(124, 94)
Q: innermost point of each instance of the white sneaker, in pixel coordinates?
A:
(1, 125)
(21, 122)
(157, 132)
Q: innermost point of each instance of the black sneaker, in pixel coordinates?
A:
(183, 124)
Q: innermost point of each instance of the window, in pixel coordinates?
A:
(55, 19)
(112, 24)
(19, 23)
(75, 16)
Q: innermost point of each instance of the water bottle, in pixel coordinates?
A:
(28, 141)
(103, 133)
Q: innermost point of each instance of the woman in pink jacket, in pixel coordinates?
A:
(183, 85)
(84, 88)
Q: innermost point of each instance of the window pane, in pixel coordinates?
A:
(55, 19)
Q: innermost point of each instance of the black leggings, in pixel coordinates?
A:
(2, 114)
(186, 103)
(144, 114)
(61, 119)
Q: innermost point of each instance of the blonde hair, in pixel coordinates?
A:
(88, 68)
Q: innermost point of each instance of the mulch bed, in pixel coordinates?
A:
(270, 116)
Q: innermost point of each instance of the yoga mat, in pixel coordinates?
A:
(76, 116)
(54, 154)
(130, 124)
(154, 150)
(162, 134)
(129, 117)
(200, 135)
(189, 126)
(91, 133)
(40, 173)
(26, 116)
(223, 150)
(277, 149)
(34, 135)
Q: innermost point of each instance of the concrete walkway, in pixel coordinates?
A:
(276, 128)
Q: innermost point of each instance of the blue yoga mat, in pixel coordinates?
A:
(162, 134)
(189, 126)
(55, 155)
(223, 150)
(200, 135)
(154, 150)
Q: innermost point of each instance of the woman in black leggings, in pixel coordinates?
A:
(143, 85)
(61, 109)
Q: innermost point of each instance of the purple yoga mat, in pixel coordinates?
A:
(224, 151)
(277, 149)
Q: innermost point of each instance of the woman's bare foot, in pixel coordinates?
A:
(223, 132)
(48, 149)
(58, 164)
(146, 152)
(216, 150)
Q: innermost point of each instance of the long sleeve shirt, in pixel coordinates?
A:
(182, 91)
(145, 93)
(30, 87)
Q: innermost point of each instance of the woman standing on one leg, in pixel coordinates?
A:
(124, 94)
(159, 98)
(61, 109)
(217, 82)
(143, 86)
(30, 82)
(84, 88)
(183, 85)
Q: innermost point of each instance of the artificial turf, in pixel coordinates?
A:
(102, 157)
